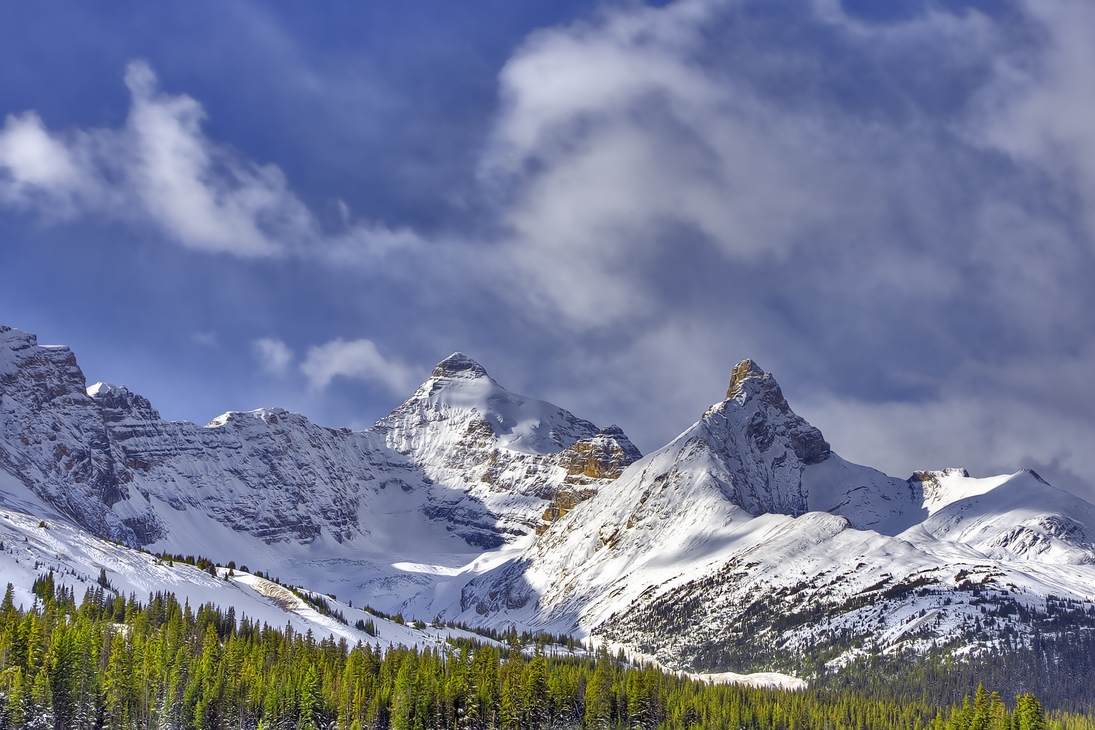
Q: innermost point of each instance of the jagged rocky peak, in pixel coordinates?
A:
(589, 462)
(57, 439)
(269, 416)
(602, 456)
(119, 403)
(748, 380)
(751, 388)
(476, 413)
(939, 487)
(36, 374)
(458, 365)
(743, 370)
(935, 475)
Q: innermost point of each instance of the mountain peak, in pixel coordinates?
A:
(119, 403)
(742, 371)
(459, 365)
(756, 392)
(102, 388)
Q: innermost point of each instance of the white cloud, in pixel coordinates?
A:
(1040, 109)
(620, 144)
(241, 208)
(686, 182)
(357, 359)
(273, 355)
(33, 157)
(162, 169)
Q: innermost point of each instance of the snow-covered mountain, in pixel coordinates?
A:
(746, 540)
(462, 467)
(743, 542)
(31, 546)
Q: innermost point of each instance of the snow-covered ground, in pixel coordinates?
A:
(33, 546)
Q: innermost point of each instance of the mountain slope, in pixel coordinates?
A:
(486, 446)
(746, 541)
(31, 547)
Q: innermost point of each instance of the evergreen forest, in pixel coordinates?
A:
(115, 663)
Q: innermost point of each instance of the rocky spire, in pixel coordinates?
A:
(744, 369)
(749, 379)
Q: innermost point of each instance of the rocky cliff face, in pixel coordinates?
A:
(511, 454)
(105, 457)
(56, 439)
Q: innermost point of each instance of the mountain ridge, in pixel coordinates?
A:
(746, 543)
(121, 452)
(710, 526)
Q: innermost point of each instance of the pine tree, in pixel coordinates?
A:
(309, 700)
(598, 699)
(1028, 713)
(118, 685)
(16, 701)
(536, 698)
(980, 719)
(61, 663)
(7, 606)
(509, 706)
(208, 709)
(40, 707)
(403, 697)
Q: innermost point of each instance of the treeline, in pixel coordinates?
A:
(1058, 668)
(113, 663)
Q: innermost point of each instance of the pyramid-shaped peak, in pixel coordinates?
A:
(459, 365)
(743, 371)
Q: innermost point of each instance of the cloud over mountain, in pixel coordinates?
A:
(890, 206)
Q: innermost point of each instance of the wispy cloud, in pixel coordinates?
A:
(1039, 108)
(41, 169)
(205, 339)
(162, 169)
(273, 355)
(359, 360)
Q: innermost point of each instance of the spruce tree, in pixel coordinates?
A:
(598, 698)
(309, 700)
(16, 701)
(535, 698)
(40, 708)
(1028, 713)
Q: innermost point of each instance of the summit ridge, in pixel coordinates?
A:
(459, 365)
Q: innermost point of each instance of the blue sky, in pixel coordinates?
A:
(889, 206)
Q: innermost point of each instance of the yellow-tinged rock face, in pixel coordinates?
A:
(595, 460)
(562, 503)
(744, 369)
